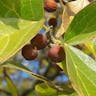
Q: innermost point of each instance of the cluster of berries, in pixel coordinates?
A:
(30, 51)
(51, 6)
(55, 53)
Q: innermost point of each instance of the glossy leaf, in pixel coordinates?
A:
(24, 9)
(82, 71)
(45, 90)
(20, 21)
(83, 26)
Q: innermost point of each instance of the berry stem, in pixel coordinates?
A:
(62, 5)
(45, 27)
(55, 40)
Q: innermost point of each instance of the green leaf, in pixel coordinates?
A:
(67, 89)
(82, 71)
(11, 86)
(90, 47)
(12, 40)
(74, 94)
(24, 9)
(21, 67)
(31, 93)
(20, 21)
(62, 65)
(44, 90)
(83, 26)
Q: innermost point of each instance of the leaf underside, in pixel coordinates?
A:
(82, 71)
(20, 21)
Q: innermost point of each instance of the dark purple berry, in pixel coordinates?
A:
(39, 41)
(29, 53)
(50, 5)
(57, 1)
(56, 53)
(52, 22)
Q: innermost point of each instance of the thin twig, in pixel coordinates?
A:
(61, 3)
